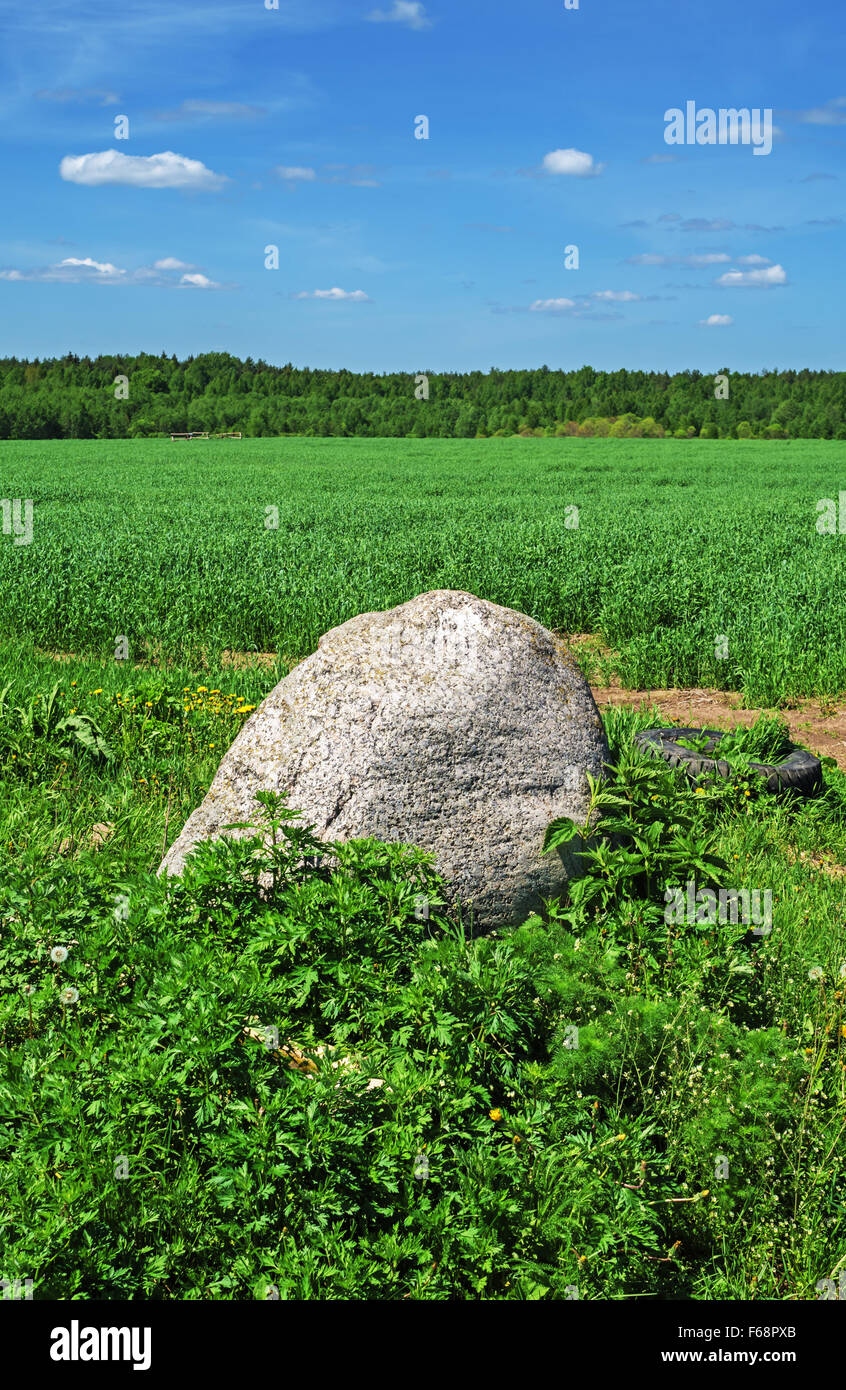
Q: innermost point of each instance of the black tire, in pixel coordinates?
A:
(801, 772)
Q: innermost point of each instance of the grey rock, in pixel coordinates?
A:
(449, 723)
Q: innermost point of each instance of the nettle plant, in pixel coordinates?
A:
(643, 831)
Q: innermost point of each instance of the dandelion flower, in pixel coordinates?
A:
(815, 974)
(29, 990)
(495, 1115)
(69, 996)
(58, 954)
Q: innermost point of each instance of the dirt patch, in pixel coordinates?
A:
(229, 660)
(242, 661)
(818, 726)
(823, 863)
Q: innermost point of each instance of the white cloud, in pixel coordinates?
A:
(198, 282)
(104, 267)
(753, 260)
(708, 258)
(717, 321)
(73, 270)
(409, 12)
(165, 170)
(356, 296)
(84, 270)
(573, 162)
(295, 173)
(757, 279)
(618, 296)
(552, 306)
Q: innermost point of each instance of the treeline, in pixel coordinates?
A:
(124, 397)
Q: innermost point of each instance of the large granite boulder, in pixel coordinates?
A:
(447, 722)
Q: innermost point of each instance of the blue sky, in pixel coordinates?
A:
(295, 127)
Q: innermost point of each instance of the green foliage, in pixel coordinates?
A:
(174, 539)
(74, 398)
(310, 1083)
(767, 741)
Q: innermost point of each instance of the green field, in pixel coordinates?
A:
(678, 544)
(440, 1137)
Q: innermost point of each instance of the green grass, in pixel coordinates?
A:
(676, 548)
(688, 1148)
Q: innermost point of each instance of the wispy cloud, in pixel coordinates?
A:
(84, 270)
(617, 296)
(80, 96)
(831, 112)
(294, 173)
(356, 175)
(707, 258)
(165, 170)
(753, 279)
(717, 321)
(199, 110)
(408, 12)
(352, 296)
(552, 306)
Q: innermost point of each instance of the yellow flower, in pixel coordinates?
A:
(97, 692)
(516, 1139)
(700, 791)
(495, 1115)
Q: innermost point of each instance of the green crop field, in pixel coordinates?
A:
(675, 545)
(426, 1128)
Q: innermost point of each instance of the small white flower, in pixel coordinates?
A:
(58, 954)
(29, 990)
(815, 973)
(69, 996)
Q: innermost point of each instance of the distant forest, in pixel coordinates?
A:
(144, 396)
